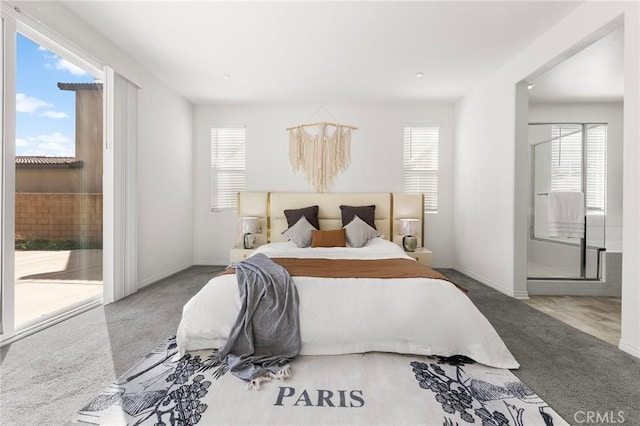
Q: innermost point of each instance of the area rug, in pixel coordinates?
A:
(358, 389)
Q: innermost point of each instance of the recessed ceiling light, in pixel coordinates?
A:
(530, 86)
(226, 76)
(420, 75)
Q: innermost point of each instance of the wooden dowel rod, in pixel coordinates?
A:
(324, 122)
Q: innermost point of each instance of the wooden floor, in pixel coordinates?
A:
(598, 316)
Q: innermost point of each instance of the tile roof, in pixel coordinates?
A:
(36, 161)
(80, 86)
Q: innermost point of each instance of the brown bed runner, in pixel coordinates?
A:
(355, 268)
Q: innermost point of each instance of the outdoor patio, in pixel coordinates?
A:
(48, 281)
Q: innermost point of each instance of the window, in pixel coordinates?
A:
(227, 166)
(421, 163)
(566, 162)
(566, 158)
(596, 167)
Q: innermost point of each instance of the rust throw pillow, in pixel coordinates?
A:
(334, 238)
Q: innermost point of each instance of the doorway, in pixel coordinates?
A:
(575, 139)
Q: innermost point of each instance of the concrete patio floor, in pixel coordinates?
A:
(48, 281)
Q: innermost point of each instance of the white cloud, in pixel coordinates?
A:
(55, 114)
(42, 49)
(61, 64)
(56, 137)
(49, 145)
(64, 65)
(26, 103)
(55, 149)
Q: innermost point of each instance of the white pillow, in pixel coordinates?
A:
(300, 233)
(359, 232)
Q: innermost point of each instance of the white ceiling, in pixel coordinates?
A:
(596, 73)
(321, 52)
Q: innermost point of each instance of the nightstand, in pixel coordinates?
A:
(421, 255)
(239, 254)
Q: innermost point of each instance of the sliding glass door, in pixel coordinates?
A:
(7, 174)
(52, 180)
(58, 184)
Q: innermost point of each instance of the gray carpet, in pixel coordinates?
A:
(46, 377)
(569, 369)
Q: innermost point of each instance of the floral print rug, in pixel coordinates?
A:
(355, 389)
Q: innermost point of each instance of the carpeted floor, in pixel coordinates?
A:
(574, 372)
(46, 377)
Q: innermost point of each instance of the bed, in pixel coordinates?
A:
(409, 315)
(374, 351)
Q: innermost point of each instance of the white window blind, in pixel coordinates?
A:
(421, 163)
(227, 166)
(566, 162)
(596, 167)
(566, 158)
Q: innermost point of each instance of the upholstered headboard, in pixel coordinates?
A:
(270, 207)
(329, 213)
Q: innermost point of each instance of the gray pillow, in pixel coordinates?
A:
(359, 232)
(300, 233)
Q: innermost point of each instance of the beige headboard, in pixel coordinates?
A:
(270, 206)
(329, 213)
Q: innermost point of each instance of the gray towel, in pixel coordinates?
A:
(266, 334)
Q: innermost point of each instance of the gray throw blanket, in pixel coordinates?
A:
(266, 334)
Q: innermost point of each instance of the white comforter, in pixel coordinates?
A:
(356, 315)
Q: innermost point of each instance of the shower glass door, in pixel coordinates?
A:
(567, 157)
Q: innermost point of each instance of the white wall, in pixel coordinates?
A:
(630, 339)
(489, 233)
(165, 142)
(609, 112)
(484, 185)
(165, 182)
(376, 164)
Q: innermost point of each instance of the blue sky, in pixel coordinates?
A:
(45, 115)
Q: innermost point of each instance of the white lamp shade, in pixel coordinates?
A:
(408, 226)
(249, 225)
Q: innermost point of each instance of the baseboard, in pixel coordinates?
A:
(521, 295)
(163, 275)
(630, 349)
(488, 282)
(209, 262)
(572, 288)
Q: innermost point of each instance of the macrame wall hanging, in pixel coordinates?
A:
(322, 154)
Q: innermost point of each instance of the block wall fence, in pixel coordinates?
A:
(59, 216)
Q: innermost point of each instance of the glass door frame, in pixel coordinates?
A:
(7, 189)
(583, 241)
(14, 22)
